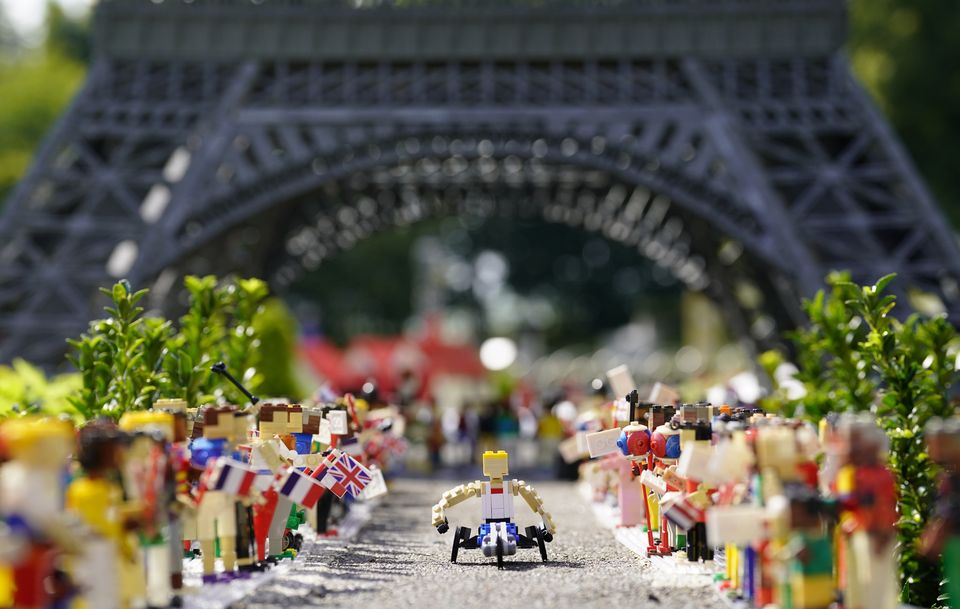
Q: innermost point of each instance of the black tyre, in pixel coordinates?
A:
(541, 542)
(531, 534)
(499, 552)
(459, 535)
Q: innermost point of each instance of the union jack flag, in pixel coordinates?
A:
(345, 476)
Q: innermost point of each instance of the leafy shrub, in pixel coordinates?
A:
(856, 356)
(128, 361)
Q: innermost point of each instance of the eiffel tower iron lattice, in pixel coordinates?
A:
(725, 140)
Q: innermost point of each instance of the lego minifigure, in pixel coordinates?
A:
(634, 445)
(695, 439)
(498, 533)
(31, 501)
(807, 575)
(866, 489)
(105, 565)
(182, 506)
(942, 535)
(147, 479)
(277, 423)
(665, 447)
(216, 516)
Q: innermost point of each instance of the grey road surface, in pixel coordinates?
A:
(399, 560)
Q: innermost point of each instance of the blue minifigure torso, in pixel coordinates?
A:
(202, 450)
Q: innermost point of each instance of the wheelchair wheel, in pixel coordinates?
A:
(460, 534)
(542, 544)
(499, 552)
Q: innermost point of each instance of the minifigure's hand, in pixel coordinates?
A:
(933, 538)
(443, 527)
(549, 529)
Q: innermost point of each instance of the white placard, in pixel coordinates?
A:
(621, 411)
(620, 381)
(582, 442)
(338, 422)
(694, 463)
(653, 482)
(323, 437)
(570, 450)
(663, 394)
(377, 487)
(738, 524)
(603, 442)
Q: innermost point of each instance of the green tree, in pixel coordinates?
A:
(277, 332)
(37, 85)
(907, 52)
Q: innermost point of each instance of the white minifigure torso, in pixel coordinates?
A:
(35, 494)
(497, 500)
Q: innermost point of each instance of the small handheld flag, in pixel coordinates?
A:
(300, 488)
(345, 476)
(228, 476)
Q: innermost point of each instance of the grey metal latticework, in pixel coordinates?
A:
(726, 140)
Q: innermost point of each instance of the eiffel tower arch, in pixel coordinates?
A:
(727, 141)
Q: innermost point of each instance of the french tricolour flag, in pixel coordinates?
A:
(681, 511)
(301, 489)
(231, 477)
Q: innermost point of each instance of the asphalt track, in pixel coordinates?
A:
(399, 560)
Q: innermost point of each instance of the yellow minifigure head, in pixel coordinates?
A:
(38, 441)
(495, 464)
(148, 421)
(218, 423)
(171, 404)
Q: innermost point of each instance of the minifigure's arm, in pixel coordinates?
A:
(451, 498)
(530, 495)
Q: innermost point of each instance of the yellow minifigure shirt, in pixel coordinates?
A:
(97, 502)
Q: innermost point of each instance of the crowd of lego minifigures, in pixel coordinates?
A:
(803, 516)
(107, 515)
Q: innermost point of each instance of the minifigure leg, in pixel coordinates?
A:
(879, 585)
(227, 533)
(96, 572)
(262, 515)
(207, 513)
(175, 554)
(278, 524)
(157, 561)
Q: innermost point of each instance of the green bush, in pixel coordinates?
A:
(127, 361)
(25, 389)
(855, 356)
